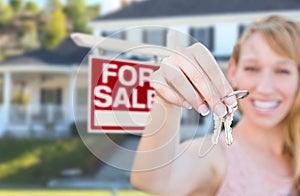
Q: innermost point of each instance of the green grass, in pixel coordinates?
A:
(33, 162)
(47, 192)
(36, 161)
(55, 192)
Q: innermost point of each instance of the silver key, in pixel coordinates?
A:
(228, 131)
(227, 124)
(218, 122)
(227, 120)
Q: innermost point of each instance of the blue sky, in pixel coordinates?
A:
(42, 3)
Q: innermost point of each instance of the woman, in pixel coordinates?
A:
(265, 155)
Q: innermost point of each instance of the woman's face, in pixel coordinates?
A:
(271, 79)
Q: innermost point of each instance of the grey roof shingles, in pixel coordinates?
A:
(171, 8)
(66, 54)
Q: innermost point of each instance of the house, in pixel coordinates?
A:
(39, 89)
(215, 23)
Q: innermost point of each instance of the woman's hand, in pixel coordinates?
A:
(191, 77)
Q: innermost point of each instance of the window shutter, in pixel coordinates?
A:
(211, 40)
(58, 96)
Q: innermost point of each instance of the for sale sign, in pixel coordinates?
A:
(120, 95)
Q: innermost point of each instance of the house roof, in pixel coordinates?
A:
(67, 54)
(172, 8)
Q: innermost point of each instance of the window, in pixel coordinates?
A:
(51, 96)
(241, 29)
(204, 35)
(19, 94)
(155, 36)
(82, 96)
(114, 34)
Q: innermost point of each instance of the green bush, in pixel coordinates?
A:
(37, 161)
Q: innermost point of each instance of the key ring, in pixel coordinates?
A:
(242, 94)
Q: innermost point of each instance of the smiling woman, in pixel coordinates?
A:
(264, 158)
(270, 77)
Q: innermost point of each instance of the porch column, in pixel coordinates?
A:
(7, 97)
(72, 96)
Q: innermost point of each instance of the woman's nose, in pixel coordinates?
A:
(265, 83)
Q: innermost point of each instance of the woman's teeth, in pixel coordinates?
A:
(265, 104)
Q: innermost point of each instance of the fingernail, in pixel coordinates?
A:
(231, 101)
(186, 105)
(220, 110)
(203, 109)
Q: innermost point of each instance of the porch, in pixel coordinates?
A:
(49, 120)
(38, 102)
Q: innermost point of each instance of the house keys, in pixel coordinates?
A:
(227, 119)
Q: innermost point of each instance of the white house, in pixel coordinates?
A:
(45, 80)
(216, 23)
(38, 91)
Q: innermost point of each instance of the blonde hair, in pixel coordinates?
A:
(283, 36)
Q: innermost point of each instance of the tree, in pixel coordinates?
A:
(54, 30)
(29, 39)
(76, 10)
(54, 5)
(31, 7)
(93, 11)
(6, 14)
(16, 4)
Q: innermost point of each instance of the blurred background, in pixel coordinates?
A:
(41, 152)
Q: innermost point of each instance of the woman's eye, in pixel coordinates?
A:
(283, 71)
(251, 68)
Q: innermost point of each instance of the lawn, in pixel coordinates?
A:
(27, 165)
(36, 161)
(37, 192)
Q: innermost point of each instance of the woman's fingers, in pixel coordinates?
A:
(200, 81)
(193, 77)
(209, 65)
(166, 92)
(179, 82)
